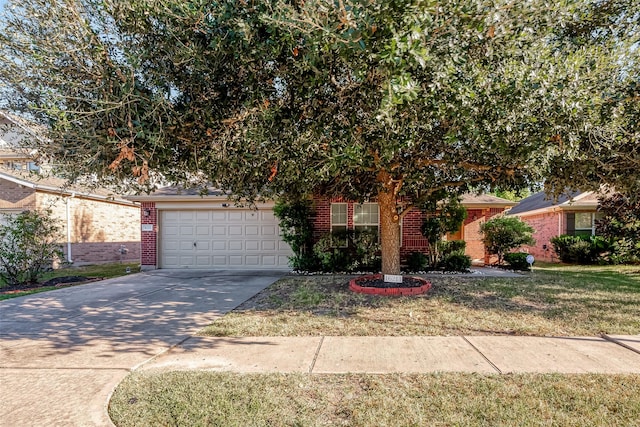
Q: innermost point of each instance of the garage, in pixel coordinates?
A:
(191, 228)
(222, 238)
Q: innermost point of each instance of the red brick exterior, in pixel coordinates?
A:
(546, 225)
(412, 239)
(149, 239)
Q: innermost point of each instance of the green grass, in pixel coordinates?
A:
(104, 271)
(227, 399)
(552, 300)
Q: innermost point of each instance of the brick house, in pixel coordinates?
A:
(574, 214)
(184, 229)
(337, 214)
(96, 226)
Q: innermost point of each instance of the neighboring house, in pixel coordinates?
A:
(13, 133)
(573, 214)
(96, 227)
(184, 229)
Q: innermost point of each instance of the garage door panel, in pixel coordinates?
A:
(268, 245)
(223, 239)
(234, 230)
(252, 245)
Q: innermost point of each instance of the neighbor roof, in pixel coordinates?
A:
(541, 201)
(59, 186)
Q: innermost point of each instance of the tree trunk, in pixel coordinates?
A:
(389, 230)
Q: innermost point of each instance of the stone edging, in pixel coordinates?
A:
(353, 285)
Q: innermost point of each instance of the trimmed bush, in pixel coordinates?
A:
(517, 260)
(350, 251)
(417, 261)
(456, 262)
(579, 249)
(448, 247)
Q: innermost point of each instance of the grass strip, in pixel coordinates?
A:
(216, 399)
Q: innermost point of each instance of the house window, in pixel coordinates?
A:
(582, 223)
(339, 223)
(366, 217)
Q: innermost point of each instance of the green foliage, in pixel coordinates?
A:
(416, 261)
(456, 262)
(297, 231)
(517, 260)
(347, 98)
(28, 246)
(443, 216)
(621, 227)
(350, 251)
(452, 246)
(579, 249)
(503, 233)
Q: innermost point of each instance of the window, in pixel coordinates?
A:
(366, 217)
(582, 223)
(339, 223)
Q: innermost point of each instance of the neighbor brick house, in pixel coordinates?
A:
(96, 226)
(574, 213)
(184, 229)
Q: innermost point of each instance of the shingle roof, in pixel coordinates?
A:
(58, 185)
(541, 201)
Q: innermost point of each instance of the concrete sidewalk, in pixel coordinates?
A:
(329, 355)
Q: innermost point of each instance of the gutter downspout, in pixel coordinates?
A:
(68, 211)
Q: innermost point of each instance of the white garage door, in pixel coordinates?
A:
(229, 238)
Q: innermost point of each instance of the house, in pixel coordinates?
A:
(574, 213)
(96, 226)
(185, 229)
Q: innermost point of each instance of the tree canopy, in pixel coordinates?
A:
(355, 98)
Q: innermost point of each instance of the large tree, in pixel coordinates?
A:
(391, 100)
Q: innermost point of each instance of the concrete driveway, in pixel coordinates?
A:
(63, 352)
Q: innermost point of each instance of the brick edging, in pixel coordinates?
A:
(353, 285)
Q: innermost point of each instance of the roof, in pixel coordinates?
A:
(179, 193)
(485, 200)
(176, 193)
(542, 202)
(60, 186)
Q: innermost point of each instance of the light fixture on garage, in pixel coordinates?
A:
(146, 212)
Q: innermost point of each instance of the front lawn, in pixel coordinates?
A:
(74, 275)
(227, 399)
(552, 300)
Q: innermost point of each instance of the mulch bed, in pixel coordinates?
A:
(58, 282)
(375, 285)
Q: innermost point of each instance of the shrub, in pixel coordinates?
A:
(452, 247)
(456, 262)
(579, 249)
(416, 261)
(517, 260)
(620, 226)
(297, 231)
(501, 234)
(28, 246)
(348, 251)
(444, 214)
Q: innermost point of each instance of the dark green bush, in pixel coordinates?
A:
(517, 260)
(456, 262)
(579, 249)
(416, 261)
(348, 251)
(448, 247)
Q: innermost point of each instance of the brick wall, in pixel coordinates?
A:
(15, 196)
(98, 229)
(148, 239)
(546, 226)
(412, 239)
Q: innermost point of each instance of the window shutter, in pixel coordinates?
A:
(571, 224)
